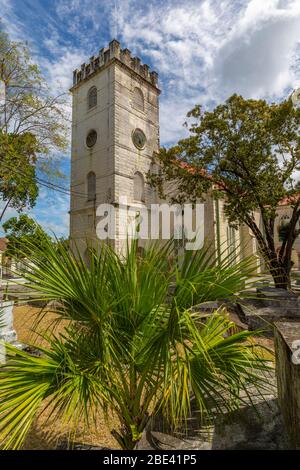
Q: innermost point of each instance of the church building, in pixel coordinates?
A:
(115, 131)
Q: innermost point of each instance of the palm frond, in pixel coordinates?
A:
(133, 341)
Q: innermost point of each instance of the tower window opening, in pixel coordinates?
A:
(138, 187)
(92, 97)
(138, 99)
(91, 186)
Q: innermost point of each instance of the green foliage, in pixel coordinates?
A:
(63, 241)
(32, 125)
(23, 233)
(247, 152)
(29, 106)
(18, 186)
(134, 344)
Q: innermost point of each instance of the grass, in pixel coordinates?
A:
(46, 435)
(133, 343)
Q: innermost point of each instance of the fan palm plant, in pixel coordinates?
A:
(135, 342)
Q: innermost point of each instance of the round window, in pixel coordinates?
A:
(139, 138)
(91, 138)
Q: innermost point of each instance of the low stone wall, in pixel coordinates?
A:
(261, 309)
(249, 428)
(288, 377)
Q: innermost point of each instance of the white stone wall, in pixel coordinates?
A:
(128, 159)
(114, 158)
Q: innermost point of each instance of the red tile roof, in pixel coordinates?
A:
(284, 202)
(201, 172)
(289, 200)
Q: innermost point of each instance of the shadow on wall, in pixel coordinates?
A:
(248, 428)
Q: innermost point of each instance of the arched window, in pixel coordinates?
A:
(91, 186)
(138, 187)
(92, 97)
(138, 99)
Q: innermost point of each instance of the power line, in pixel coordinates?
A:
(39, 180)
(79, 193)
(47, 184)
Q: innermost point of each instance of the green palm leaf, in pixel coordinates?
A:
(134, 343)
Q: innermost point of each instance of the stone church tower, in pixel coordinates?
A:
(115, 130)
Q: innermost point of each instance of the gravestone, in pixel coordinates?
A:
(266, 306)
(287, 342)
(7, 332)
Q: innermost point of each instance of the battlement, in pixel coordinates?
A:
(106, 55)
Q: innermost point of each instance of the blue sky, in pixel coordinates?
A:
(204, 50)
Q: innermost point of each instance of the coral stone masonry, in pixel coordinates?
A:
(114, 53)
(115, 133)
(115, 130)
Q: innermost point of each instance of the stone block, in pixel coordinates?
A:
(7, 332)
(288, 378)
(268, 305)
(249, 428)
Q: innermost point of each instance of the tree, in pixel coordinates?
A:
(248, 153)
(18, 185)
(23, 233)
(32, 122)
(131, 346)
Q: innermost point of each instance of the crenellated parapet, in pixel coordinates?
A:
(108, 54)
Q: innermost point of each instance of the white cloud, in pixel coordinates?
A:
(206, 51)
(203, 50)
(10, 21)
(47, 214)
(59, 72)
(51, 212)
(257, 59)
(85, 19)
